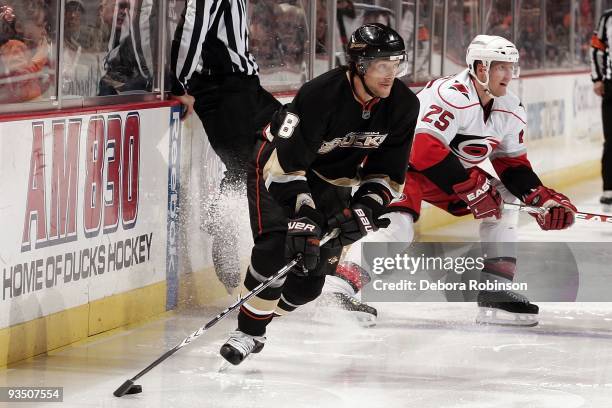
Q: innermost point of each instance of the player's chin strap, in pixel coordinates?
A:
(485, 84)
(362, 79)
(365, 113)
(541, 210)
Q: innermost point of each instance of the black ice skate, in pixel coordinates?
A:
(240, 345)
(606, 203)
(365, 314)
(506, 308)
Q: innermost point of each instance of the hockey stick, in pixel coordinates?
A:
(128, 387)
(540, 210)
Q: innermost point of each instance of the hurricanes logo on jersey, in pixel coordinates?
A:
(462, 89)
(473, 149)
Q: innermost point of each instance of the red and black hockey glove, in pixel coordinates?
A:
(560, 213)
(303, 235)
(480, 195)
(355, 222)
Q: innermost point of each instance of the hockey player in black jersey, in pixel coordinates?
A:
(352, 126)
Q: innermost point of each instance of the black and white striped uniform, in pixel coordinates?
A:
(601, 67)
(212, 37)
(601, 64)
(211, 61)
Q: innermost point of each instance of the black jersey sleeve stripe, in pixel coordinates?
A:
(447, 173)
(520, 180)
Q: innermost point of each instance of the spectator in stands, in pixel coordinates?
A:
(406, 30)
(531, 47)
(72, 45)
(501, 23)
(584, 30)
(557, 38)
(321, 27)
(262, 34)
(377, 14)
(7, 23)
(346, 11)
(125, 66)
(24, 54)
(291, 28)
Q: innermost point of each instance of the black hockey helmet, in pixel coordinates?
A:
(372, 41)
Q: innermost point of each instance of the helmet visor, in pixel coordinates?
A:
(512, 67)
(394, 65)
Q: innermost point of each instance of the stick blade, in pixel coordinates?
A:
(134, 389)
(124, 388)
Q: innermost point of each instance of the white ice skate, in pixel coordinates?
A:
(240, 345)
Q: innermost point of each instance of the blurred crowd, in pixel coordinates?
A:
(109, 45)
(105, 50)
(26, 55)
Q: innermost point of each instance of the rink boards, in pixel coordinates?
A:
(89, 223)
(108, 256)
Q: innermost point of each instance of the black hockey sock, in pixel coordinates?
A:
(255, 314)
(284, 307)
(252, 324)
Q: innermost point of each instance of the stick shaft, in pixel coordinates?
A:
(278, 275)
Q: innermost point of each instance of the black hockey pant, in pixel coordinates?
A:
(233, 108)
(606, 160)
(269, 226)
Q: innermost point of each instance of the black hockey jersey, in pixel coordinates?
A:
(327, 133)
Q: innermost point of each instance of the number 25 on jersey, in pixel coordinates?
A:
(443, 117)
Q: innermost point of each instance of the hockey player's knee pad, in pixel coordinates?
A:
(299, 290)
(268, 253)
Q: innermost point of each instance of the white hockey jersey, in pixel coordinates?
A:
(452, 113)
(453, 123)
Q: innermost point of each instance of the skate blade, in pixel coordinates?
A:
(364, 319)
(224, 366)
(606, 208)
(496, 317)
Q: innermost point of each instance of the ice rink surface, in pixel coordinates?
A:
(419, 354)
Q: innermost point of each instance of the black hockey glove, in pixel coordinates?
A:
(303, 235)
(355, 222)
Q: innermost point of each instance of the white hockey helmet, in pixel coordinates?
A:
(489, 48)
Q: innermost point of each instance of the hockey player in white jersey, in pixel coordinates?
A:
(465, 119)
